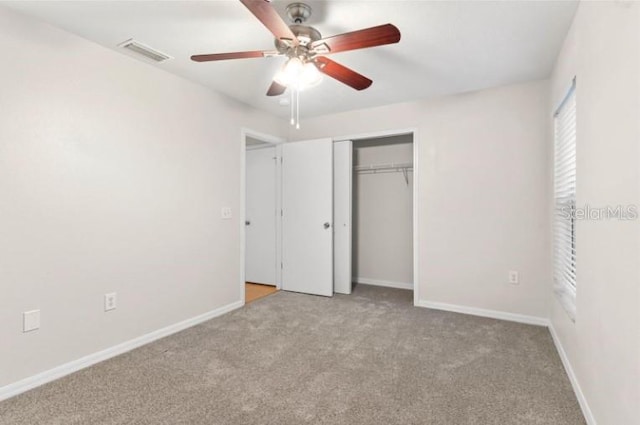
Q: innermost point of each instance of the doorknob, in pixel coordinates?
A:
(247, 223)
(327, 225)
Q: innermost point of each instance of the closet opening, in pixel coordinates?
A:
(382, 222)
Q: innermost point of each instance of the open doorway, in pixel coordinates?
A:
(382, 247)
(381, 198)
(302, 214)
(261, 224)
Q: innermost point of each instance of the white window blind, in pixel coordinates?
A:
(564, 189)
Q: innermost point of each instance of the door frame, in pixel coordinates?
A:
(276, 141)
(350, 215)
(416, 190)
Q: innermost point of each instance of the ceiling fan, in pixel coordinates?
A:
(305, 48)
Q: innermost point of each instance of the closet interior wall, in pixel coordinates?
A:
(383, 211)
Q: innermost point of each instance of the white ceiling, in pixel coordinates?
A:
(446, 47)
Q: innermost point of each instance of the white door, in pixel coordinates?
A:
(260, 221)
(342, 181)
(307, 206)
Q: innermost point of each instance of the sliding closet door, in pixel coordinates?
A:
(307, 215)
(342, 196)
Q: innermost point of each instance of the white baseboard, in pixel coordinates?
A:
(385, 283)
(91, 359)
(494, 314)
(42, 378)
(586, 410)
(530, 320)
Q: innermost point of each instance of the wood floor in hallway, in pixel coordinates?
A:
(254, 291)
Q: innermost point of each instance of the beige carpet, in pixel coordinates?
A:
(369, 358)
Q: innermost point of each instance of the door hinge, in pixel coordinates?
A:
(281, 213)
(281, 266)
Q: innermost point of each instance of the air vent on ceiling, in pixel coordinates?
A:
(143, 50)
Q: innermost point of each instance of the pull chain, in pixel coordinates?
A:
(297, 109)
(292, 109)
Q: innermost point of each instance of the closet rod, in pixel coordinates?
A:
(393, 166)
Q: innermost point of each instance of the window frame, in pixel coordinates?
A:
(564, 201)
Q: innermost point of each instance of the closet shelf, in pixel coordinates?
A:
(392, 167)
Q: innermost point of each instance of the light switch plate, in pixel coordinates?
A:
(110, 301)
(514, 279)
(225, 213)
(30, 320)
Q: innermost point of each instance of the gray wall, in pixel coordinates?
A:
(602, 346)
(482, 189)
(112, 177)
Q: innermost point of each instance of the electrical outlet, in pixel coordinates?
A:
(514, 279)
(110, 301)
(30, 320)
(225, 213)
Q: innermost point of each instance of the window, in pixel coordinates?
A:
(564, 194)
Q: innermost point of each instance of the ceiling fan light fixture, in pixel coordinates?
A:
(289, 74)
(309, 77)
(298, 75)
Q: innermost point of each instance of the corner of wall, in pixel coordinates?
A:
(577, 389)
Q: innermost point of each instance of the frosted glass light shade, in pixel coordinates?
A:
(309, 77)
(298, 75)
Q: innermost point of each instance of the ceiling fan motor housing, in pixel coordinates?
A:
(305, 35)
(298, 13)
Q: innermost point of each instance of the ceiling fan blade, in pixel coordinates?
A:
(233, 55)
(266, 14)
(369, 37)
(276, 89)
(342, 73)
